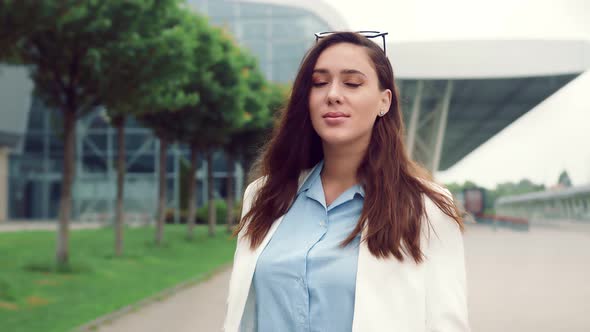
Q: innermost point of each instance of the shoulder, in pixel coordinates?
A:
(437, 222)
(254, 186)
(445, 275)
(248, 198)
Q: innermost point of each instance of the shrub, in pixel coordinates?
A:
(202, 213)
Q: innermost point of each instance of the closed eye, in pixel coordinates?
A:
(353, 85)
(318, 84)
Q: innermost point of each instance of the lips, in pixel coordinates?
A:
(334, 115)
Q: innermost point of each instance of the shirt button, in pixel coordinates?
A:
(323, 223)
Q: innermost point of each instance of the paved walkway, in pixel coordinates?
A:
(526, 281)
(50, 225)
(529, 281)
(196, 309)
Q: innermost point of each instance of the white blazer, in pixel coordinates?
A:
(389, 296)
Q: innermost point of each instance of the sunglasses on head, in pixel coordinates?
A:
(366, 34)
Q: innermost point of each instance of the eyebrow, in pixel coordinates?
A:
(343, 71)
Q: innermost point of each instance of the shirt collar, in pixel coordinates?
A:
(360, 190)
(314, 173)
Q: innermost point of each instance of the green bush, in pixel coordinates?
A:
(203, 212)
(237, 211)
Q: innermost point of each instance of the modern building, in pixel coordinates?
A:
(31, 151)
(459, 94)
(455, 96)
(277, 32)
(15, 97)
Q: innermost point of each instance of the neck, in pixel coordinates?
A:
(342, 162)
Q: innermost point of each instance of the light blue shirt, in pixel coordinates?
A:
(303, 280)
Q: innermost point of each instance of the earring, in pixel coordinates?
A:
(382, 113)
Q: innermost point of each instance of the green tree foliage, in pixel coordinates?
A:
(564, 179)
(522, 187)
(144, 73)
(19, 19)
(257, 117)
(250, 138)
(220, 79)
(65, 44)
(502, 189)
(263, 104)
(454, 187)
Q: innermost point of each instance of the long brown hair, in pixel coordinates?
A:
(394, 184)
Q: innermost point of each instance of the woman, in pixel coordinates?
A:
(342, 231)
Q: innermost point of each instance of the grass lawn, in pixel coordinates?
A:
(35, 297)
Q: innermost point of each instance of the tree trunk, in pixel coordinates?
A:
(121, 168)
(191, 192)
(230, 191)
(210, 185)
(65, 204)
(161, 193)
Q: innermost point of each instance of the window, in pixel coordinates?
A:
(220, 8)
(253, 10)
(254, 30)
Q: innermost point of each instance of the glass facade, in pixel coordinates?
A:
(277, 35)
(35, 174)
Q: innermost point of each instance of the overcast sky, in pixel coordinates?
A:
(553, 136)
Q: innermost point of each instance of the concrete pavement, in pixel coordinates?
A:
(195, 309)
(525, 281)
(49, 225)
(529, 281)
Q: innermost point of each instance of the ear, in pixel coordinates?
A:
(385, 101)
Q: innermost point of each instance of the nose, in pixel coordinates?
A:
(334, 95)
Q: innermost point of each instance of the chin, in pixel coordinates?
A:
(338, 138)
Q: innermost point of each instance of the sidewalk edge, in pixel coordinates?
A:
(166, 293)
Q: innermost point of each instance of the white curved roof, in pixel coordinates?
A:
(323, 10)
(464, 59)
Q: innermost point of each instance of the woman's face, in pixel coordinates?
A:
(345, 98)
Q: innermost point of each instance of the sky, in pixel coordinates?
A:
(552, 137)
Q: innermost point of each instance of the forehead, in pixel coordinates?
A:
(345, 56)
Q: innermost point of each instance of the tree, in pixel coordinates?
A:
(64, 52)
(220, 82)
(19, 19)
(256, 98)
(166, 124)
(564, 179)
(155, 58)
(454, 187)
(263, 105)
(165, 109)
(522, 187)
(208, 53)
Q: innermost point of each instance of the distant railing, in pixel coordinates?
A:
(516, 223)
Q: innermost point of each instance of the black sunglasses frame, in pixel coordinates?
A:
(365, 33)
